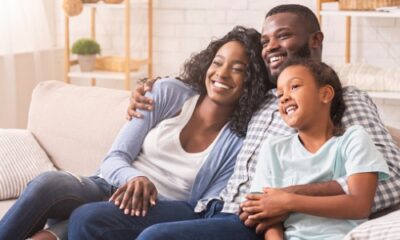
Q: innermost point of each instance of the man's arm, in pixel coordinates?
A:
(356, 205)
(330, 188)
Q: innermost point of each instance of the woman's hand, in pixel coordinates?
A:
(272, 203)
(135, 196)
(139, 101)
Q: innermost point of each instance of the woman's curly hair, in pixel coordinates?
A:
(256, 83)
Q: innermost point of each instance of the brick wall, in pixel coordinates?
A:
(182, 27)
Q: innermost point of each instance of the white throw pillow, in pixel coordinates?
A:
(21, 159)
(383, 228)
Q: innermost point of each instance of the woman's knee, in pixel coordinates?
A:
(45, 181)
(90, 214)
(51, 184)
(88, 220)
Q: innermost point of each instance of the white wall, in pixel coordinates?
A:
(182, 27)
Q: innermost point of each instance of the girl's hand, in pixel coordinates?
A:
(135, 196)
(273, 202)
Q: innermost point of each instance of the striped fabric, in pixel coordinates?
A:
(383, 228)
(21, 159)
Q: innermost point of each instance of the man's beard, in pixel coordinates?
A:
(303, 52)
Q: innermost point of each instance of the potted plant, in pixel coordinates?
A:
(86, 49)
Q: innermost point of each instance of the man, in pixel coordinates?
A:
(288, 30)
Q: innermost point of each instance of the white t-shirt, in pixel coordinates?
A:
(165, 162)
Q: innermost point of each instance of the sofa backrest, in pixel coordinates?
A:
(76, 125)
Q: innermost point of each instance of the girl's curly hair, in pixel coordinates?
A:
(324, 75)
(256, 83)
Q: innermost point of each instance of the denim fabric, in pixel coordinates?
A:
(214, 226)
(103, 220)
(166, 220)
(59, 229)
(51, 195)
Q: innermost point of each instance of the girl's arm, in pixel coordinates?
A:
(355, 205)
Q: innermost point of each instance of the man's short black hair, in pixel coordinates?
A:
(308, 17)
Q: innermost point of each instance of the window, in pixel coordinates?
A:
(25, 26)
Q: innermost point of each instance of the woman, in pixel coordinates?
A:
(187, 157)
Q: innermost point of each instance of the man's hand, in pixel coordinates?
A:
(261, 225)
(135, 196)
(271, 203)
(139, 101)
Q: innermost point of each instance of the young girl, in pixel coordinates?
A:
(310, 100)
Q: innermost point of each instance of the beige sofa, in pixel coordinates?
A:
(75, 127)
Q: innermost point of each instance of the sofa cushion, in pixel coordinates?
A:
(76, 125)
(386, 227)
(21, 159)
(5, 205)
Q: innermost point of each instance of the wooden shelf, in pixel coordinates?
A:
(127, 75)
(104, 5)
(105, 75)
(385, 95)
(348, 17)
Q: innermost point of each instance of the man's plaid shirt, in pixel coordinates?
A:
(267, 122)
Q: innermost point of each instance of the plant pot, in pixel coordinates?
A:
(87, 63)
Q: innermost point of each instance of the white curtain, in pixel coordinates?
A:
(24, 29)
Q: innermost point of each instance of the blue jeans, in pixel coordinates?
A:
(51, 195)
(166, 220)
(103, 220)
(214, 226)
